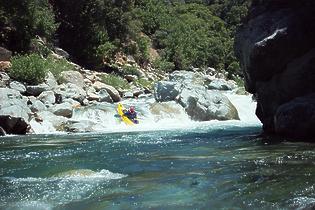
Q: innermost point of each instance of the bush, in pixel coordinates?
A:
(130, 70)
(30, 69)
(163, 65)
(56, 66)
(144, 83)
(115, 81)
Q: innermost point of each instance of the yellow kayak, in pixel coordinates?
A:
(120, 111)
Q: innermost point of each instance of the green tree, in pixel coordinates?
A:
(22, 20)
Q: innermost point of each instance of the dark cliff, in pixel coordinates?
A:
(276, 48)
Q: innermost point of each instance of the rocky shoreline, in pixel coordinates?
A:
(23, 106)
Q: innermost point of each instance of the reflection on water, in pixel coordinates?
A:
(210, 166)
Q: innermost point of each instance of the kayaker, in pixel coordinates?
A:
(131, 114)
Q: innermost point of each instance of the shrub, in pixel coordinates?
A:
(56, 66)
(30, 69)
(130, 70)
(163, 65)
(115, 81)
(144, 83)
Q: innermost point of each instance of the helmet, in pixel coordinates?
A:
(132, 108)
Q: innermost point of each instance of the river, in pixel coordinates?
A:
(209, 165)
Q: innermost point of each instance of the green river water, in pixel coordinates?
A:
(217, 166)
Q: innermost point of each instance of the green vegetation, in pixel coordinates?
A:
(187, 33)
(115, 81)
(22, 20)
(56, 66)
(30, 69)
(132, 70)
(144, 83)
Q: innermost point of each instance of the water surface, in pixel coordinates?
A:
(216, 166)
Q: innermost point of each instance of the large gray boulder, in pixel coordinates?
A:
(277, 56)
(110, 90)
(166, 91)
(104, 96)
(297, 118)
(203, 105)
(64, 109)
(37, 106)
(71, 91)
(73, 77)
(12, 104)
(14, 112)
(58, 122)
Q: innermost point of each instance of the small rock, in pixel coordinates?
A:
(5, 55)
(47, 97)
(51, 81)
(38, 106)
(5, 65)
(61, 52)
(131, 78)
(36, 90)
(4, 79)
(17, 86)
(128, 95)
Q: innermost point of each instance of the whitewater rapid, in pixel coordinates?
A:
(153, 116)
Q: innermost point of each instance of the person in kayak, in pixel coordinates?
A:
(131, 114)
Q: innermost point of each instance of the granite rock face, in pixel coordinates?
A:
(276, 48)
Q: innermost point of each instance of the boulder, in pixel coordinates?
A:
(51, 81)
(64, 109)
(80, 126)
(13, 125)
(221, 84)
(104, 96)
(131, 78)
(36, 90)
(110, 90)
(277, 56)
(47, 97)
(128, 95)
(296, 119)
(57, 121)
(187, 77)
(37, 106)
(203, 105)
(18, 86)
(166, 91)
(4, 79)
(71, 91)
(61, 52)
(12, 104)
(5, 55)
(73, 77)
(5, 65)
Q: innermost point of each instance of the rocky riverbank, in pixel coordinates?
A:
(276, 49)
(53, 102)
